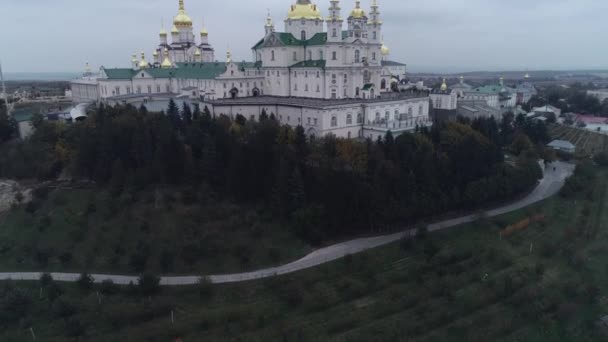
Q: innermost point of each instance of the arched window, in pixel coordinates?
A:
(357, 56)
(333, 94)
(420, 110)
(397, 116)
(383, 84)
(272, 55)
(334, 121)
(349, 119)
(387, 116)
(377, 116)
(410, 112)
(303, 35)
(359, 118)
(345, 78)
(357, 91)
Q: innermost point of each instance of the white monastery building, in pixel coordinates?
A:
(329, 74)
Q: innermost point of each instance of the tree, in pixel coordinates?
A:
(521, 143)
(148, 284)
(85, 282)
(187, 114)
(8, 126)
(263, 115)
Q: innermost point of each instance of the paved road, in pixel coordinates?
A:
(548, 186)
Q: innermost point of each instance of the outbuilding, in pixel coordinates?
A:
(563, 145)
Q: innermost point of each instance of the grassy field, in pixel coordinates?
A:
(587, 143)
(545, 282)
(172, 231)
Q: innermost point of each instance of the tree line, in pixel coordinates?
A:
(321, 188)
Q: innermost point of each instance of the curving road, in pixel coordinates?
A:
(551, 183)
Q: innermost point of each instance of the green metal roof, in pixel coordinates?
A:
(287, 39)
(22, 117)
(203, 71)
(120, 73)
(162, 73)
(392, 63)
(368, 86)
(310, 64)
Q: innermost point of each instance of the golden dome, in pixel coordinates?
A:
(143, 63)
(166, 64)
(197, 52)
(182, 19)
(174, 30)
(155, 54)
(384, 50)
(304, 9)
(228, 56)
(163, 32)
(204, 32)
(357, 12)
(444, 86)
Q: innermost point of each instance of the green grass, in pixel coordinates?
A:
(88, 230)
(476, 287)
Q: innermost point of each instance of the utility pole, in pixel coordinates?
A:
(9, 107)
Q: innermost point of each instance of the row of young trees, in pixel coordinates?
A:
(321, 188)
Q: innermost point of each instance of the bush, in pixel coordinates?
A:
(14, 304)
(205, 287)
(148, 284)
(41, 193)
(62, 308)
(108, 287)
(85, 282)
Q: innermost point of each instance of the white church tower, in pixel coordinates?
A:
(304, 20)
(334, 23)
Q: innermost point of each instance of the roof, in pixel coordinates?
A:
(287, 39)
(308, 102)
(590, 119)
(439, 91)
(368, 86)
(119, 73)
(492, 89)
(392, 63)
(22, 117)
(310, 64)
(563, 144)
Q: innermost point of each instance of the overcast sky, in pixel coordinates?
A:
(438, 35)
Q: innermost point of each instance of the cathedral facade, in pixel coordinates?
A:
(329, 74)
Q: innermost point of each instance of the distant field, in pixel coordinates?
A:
(546, 282)
(587, 143)
(175, 231)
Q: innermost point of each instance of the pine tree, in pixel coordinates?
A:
(196, 114)
(187, 114)
(207, 112)
(264, 115)
(143, 110)
(297, 193)
(8, 126)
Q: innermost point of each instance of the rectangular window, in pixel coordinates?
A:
(334, 55)
(149, 89)
(158, 88)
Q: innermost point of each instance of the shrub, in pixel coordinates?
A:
(62, 308)
(41, 193)
(46, 279)
(148, 284)
(205, 287)
(65, 258)
(108, 287)
(14, 304)
(85, 282)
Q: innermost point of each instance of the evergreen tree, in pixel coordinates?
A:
(143, 110)
(297, 193)
(8, 126)
(264, 115)
(207, 112)
(187, 114)
(196, 114)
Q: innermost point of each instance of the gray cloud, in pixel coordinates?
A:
(442, 35)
